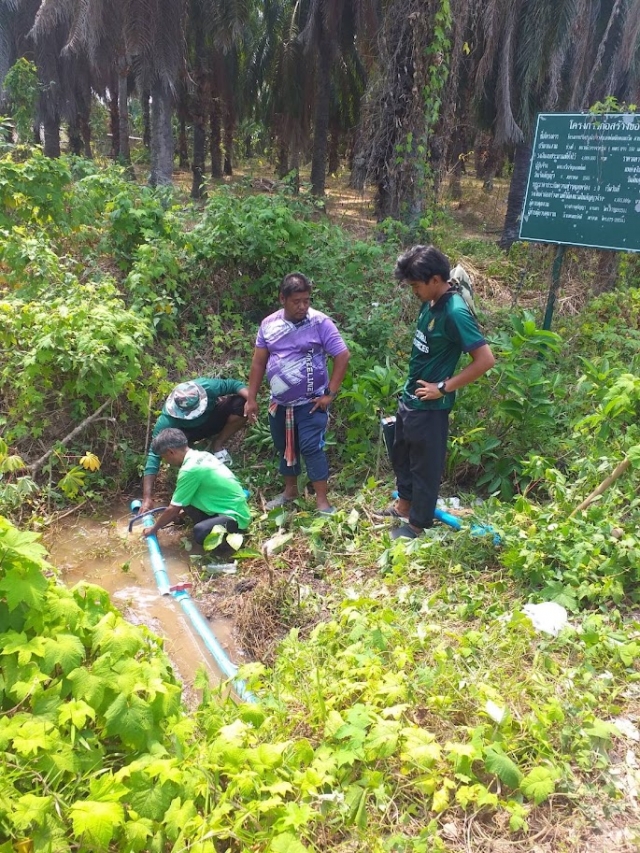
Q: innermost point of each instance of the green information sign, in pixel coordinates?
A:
(584, 181)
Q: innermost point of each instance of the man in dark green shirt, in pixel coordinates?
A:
(202, 408)
(446, 328)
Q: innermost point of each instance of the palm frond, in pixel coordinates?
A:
(507, 130)
(51, 14)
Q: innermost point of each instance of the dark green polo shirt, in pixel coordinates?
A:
(215, 388)
(444, 331)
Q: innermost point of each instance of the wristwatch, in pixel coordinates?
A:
(442, 386)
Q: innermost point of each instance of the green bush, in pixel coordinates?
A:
(259, 238)
(136, 215)
(35, 192)
(70, 352)
(495, 430)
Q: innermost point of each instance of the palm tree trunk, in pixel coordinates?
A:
(51, 136)
(334, 149)
(199, 148)
(295, 168)
(459, 148)
(216, 137)
(183, 144)
(146, 119)
(229, 132)
(124, 152)
(321, 130)
(199, 109)
(75, 140)
(517, 189)
(282, 163)
(161, 136)
(84, 123)
(114, 120)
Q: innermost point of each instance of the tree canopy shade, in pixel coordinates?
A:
(408, 86)
(143, 36)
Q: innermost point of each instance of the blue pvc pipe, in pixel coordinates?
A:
(226, 667)
(157, 560)
(440, 515)
(200, 624)
(456, 524)
(447, 518)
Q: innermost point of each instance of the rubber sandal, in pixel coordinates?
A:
(280, 500)
(404, 532)
(330, 511)
(389, 512)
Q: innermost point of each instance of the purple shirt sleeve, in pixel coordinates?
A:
(331, 338)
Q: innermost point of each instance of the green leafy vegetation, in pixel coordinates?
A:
(411, 699)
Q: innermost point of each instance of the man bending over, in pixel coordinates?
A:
(206, 490)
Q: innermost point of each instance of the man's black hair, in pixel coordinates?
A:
(295, 282)
(420, 263)
(168, 439)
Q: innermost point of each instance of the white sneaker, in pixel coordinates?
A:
(224, 456)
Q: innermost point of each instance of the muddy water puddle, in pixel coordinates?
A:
(103, 552)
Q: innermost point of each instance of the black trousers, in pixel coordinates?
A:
(216, 418)
(418, 457)
(203, 524)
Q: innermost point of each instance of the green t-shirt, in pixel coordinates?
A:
(215, 388)
(444, 331)
(205, 483)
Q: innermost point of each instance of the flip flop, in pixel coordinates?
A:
(280, 500)
(329, 511)
(389, 512)
(404, 532)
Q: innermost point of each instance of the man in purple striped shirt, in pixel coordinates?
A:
(292, 347)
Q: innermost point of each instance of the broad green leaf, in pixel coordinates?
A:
(77, 712)
(235, 540)
(295, 815)
(107, 789)
(601, 730)
(132, 719)
(267, 755)
(178, 816)
(419, 747)
(85, 685)
(382, 739)
(95, 822)
(503, 767)
(33, 736)
(153, 800)
(286, 843)
(332, 724)
(477, 794)
(24, 544)
(112, 634)
(65, 651)
(23, 584)
(137, 832)
(539, 784)
(30, 810)
(441, 797)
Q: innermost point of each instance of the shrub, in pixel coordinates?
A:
(70, 352)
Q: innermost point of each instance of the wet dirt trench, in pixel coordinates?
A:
(101, 551)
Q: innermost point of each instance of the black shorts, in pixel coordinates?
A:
(232, 404)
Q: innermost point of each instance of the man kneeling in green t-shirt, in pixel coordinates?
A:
(206, 489)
